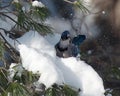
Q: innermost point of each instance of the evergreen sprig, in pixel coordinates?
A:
(40, 13)
(23, 76)
(1, 49)
(61, 90)
(33, 18)
(81, 5)
(3, 79)
(16, 89)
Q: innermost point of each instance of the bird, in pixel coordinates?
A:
(62, 46)
(68, 46)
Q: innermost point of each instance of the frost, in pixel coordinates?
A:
(15, 1)
(37, 4)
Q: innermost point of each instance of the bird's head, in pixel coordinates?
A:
(65, 35)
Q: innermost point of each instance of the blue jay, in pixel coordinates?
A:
(67, 46)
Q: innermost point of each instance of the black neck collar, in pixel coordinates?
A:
(62, 49)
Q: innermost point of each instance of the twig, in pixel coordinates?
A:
(5, 31)
(4, 75)
(8, 32)
(69, 1)
(6, 5)
(2, 89)
(12, 49)
(13, 20)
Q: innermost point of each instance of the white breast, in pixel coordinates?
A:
(65, 43)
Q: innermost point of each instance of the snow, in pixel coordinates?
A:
(38, 55)
(103, 12)
(59, 24)
(13, 69)
(109, 95)
(37, 4)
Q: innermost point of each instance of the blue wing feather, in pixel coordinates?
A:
(78, 39)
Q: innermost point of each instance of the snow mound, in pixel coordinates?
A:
(38, 55)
